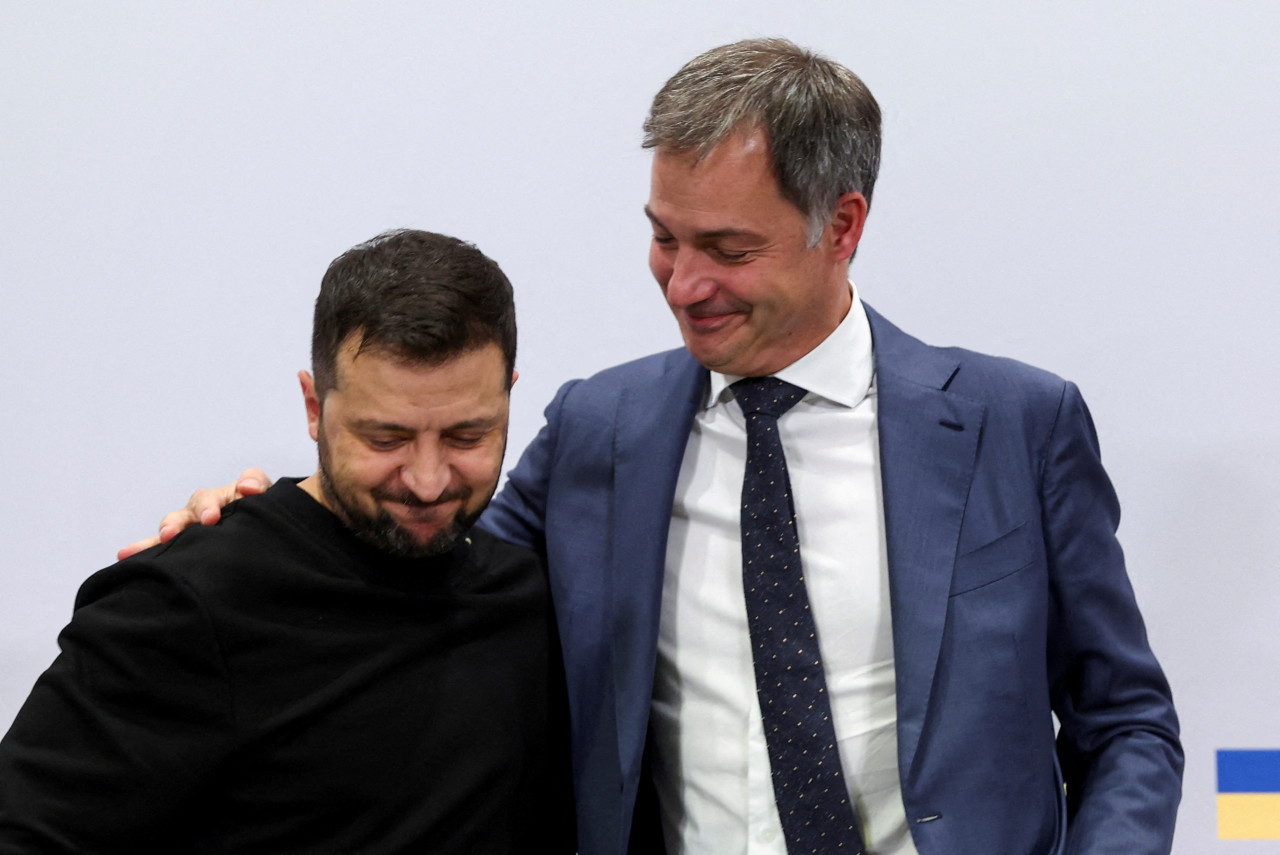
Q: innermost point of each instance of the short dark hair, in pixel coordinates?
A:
(418, 296)
(822, 123)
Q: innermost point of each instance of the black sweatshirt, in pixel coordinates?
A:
(273, 684)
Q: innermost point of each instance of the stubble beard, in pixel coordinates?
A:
(380, 529)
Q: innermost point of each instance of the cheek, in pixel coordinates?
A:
(659, 265)
(743, 288)
(480, 468)
(364, 469)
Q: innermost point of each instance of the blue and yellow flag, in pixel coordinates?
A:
(1249, 795)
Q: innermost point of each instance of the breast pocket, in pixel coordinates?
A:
(1004, 555)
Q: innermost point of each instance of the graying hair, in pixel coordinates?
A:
(821, 121)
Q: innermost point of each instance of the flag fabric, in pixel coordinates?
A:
(1249, 794)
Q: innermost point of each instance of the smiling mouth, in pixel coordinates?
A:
(411, 512)
(420, 513)
(704, 322)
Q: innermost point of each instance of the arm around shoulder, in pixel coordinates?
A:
(204, 507)
(518, 512)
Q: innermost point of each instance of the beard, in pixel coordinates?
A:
(379, 529)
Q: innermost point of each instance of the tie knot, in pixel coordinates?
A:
(767, 395)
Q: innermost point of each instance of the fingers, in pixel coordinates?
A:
(251, 482)
(172, 523)
(204, 507)
(136, 547)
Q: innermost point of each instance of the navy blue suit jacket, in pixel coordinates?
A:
(1010, 602)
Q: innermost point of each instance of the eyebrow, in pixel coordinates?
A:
(363, 425)
(710, 234)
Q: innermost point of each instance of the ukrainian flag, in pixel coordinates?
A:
(1249, 795)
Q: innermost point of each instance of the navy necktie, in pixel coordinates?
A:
(808, 784)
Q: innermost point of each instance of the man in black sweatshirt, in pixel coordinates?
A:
(343, 664)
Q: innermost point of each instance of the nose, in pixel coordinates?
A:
(426, 473)
(689, 281)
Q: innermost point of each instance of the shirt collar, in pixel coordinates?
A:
(839, 369)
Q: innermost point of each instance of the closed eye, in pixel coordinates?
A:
(730, 255)
(384, 443)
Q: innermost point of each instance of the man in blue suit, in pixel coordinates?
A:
(956, 526)
(980, 657)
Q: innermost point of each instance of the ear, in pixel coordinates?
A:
(313, 403)
(515, 375)
(845, 229)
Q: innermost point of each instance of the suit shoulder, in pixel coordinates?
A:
(654, 377)
(646, 369)
(980, 376)
(1023, 403)
(1002, 376)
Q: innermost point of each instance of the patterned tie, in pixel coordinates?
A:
(813, 801)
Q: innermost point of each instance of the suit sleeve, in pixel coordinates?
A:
(109, 749)
(518, 513)
(1118, 740)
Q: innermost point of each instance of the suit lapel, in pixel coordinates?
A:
(928, 448)
(651, 430)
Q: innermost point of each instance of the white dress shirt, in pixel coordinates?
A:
(711, 764)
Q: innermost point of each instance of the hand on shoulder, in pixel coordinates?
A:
(204, 507)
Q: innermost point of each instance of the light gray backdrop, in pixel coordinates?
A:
(1091, 187)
